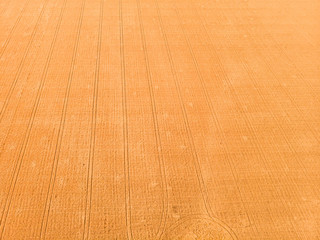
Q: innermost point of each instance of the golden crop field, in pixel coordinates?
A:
(160, 119)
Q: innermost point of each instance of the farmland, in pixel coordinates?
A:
(159, 119)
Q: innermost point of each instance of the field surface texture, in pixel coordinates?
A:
(160, 119)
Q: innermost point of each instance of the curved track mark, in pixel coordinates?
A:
(217, 222)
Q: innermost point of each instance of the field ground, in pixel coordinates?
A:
(160, 119)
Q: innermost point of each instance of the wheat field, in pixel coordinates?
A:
(160, 119)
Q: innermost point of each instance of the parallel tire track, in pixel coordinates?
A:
(17, 75)
(125, 129)
(289, 96)
(185, 118)
(56, 157)
(197, 165)
(93, 130)
(277, 121)
(156, 128)
(249, 126)
(19, 161)
(13, 28)
(284, 89)
(212, 110)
